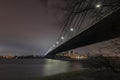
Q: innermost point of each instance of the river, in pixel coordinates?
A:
(21, 69)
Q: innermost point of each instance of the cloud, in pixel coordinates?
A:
(33, 22)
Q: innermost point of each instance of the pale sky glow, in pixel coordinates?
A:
(31, 23)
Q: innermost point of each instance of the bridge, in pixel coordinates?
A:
(87, 24)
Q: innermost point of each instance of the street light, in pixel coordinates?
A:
(71, 29)
(98, 5)
(53, 45)
(57, 42)
(62, 38)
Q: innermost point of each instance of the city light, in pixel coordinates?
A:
(98, 5)
(71, 29)
(62, 38)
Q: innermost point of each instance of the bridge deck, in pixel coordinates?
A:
(106, 29)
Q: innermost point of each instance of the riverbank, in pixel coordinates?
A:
(105, 74)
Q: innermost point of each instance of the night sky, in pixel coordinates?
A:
(29, 26)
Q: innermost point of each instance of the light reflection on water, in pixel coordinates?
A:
(36, 68)
(54, 67)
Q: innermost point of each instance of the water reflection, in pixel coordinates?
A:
(52, 67)
(35, 68)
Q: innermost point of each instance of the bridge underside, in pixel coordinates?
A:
(107, 28)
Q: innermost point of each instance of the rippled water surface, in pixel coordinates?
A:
(26, 68)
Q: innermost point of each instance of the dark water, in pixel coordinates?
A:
(28, 68)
